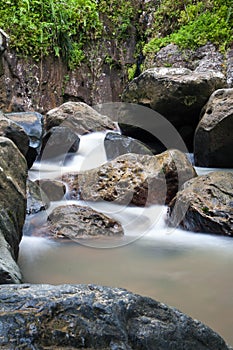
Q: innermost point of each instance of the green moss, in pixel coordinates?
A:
(63, 27)
(191, 24)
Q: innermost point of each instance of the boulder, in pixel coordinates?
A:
(213, 141)
(79, 117)
(54, 190)
(37, 200)
(116, 144)
(204, 58)
(13, 173)
(32, 123)
(178, 94)
(14, 132)
(205, 204)
(132, 178)
(79, 222)
(96, 317)
(59, 141)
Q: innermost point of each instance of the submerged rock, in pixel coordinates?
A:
(132, 178)
(13, 173)
(213, 141)
(205, 204)
(178, 94)
(79, 117)
(79, 222)
(96, 317)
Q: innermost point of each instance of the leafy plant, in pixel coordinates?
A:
(197, 22)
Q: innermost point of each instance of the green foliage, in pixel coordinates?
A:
(40, 27)
(196, 23)
(132, 71)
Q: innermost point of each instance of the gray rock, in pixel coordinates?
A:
(116, 144)
(79, 222)
(204, 58)
(205, 204)
(14, 132)
(32, 123)
(59, 141)
(213, 141)
(178, 94)
(230, 68)
(96, 317)
(13, 173)
(79, 117)
(37, 200)
(54, 190)
(132, 178)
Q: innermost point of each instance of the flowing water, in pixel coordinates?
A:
(190, 271)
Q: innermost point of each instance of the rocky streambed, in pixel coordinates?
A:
(64, 316)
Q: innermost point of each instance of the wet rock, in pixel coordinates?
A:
(14, 132)
(32, 123)
(79, 117)
(205, 204)
(213, 142)
(178, 94)
(152, 142)
(54, 190)
(131, 178)
(96, 317)
(79, 222)
(13, 173)
(37, 200)
(116, 144)
(59, 141)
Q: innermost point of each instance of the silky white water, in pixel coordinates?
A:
(190, 271)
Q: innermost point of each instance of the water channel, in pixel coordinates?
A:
(190, 271)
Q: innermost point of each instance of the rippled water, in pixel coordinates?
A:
(190, 271)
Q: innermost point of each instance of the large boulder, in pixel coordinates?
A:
(13, 173)
(96, 317)
(213, 141)
(32, 123)
(132, 178)
(14, 132)
(178, 94)
(79, 117)
(77, 222)
(204, 58)
(205, 204)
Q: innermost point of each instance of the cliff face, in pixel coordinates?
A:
(28, 85)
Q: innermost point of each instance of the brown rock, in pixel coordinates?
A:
(213, 142)
(79, 222)
(132, 178)
(79, 117)
(205, 204)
